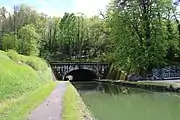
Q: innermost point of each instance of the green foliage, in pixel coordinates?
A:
(36, 63)
(9, 41)
(141, 42)
(17, 78)
(13, 55)
(28, 44)
(72, 36)
(135, 35)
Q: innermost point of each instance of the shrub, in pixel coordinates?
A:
(36, 63)
(13, 55)
(9, 41)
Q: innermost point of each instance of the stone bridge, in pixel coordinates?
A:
(80, 70)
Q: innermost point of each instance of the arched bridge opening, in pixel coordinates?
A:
(81, 75)
(79, 70)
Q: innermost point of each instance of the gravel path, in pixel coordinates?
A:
(51, 108)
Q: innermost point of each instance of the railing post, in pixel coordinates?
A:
(97, 69)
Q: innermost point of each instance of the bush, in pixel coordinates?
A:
(34, 62)
(29, 40)
(13, 55)
(9, 41)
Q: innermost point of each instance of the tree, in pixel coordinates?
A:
(29, 39)
(3, 12)
(136, 36)
(9, 42)
(137, 29)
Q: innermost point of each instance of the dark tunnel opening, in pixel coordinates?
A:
(81, 75)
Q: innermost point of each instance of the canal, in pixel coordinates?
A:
(110, 102)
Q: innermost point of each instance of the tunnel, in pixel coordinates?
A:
(81, 75)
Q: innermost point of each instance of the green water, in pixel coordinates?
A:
(135, 105)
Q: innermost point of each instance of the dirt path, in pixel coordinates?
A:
(51, 108)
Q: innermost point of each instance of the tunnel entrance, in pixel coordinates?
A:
(81, 75)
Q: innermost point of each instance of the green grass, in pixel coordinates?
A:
(23, 84)
(18, 78)
(34, 62)
(73, 106)
(70, 104)
(19, 109)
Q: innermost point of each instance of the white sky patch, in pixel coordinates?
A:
(19, 1)
(41, 1)
(90, 7)
(8, 8)
(49, 11)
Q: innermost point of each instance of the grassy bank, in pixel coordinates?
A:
(73, 106)
(20, 108)
(25, 81)
(21, 74)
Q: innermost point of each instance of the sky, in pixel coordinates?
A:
(58, 7)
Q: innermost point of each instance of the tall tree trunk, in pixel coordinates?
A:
(50, 39)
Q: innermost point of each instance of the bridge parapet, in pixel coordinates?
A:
(60, 69)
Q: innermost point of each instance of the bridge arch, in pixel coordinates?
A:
(81, 75)
(62, 69)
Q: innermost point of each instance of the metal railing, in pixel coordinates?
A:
(171, 75)
(167, 73)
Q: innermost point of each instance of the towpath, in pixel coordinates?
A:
(51, 108)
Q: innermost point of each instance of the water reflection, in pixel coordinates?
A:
(110, 102)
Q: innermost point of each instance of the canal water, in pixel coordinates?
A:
(110, 102)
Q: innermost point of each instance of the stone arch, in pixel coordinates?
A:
(81, 75)
(60, 69)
